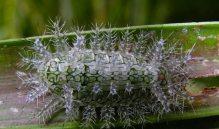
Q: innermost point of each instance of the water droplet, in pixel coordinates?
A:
(184, 30)
(1, 102)
(14, 110)
(201, 38)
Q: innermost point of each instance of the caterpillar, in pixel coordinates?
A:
(106, 76)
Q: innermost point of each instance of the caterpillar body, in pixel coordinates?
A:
(120, 77)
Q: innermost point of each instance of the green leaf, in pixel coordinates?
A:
(204, 34)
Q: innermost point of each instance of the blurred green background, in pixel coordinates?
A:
(23, 18)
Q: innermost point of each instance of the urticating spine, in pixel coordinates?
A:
(119, 77)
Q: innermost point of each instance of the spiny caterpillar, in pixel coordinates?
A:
(106, 76)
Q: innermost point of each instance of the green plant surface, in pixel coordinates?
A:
(204, 34)
(53, 126)
(200, 83)
(190, 115)
(206, 28)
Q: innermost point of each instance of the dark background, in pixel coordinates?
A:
(23, 18)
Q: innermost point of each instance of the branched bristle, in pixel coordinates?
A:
(51, 107)
(107, 76)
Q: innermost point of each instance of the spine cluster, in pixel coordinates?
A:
(107, 76)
